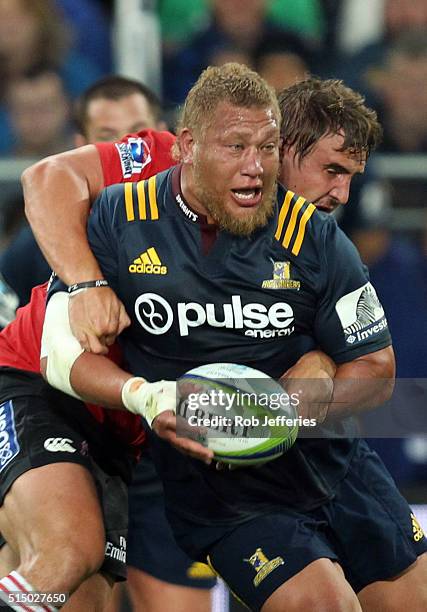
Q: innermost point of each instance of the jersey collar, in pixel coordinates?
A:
(182, 205)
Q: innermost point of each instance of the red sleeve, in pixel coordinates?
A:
(136, 156)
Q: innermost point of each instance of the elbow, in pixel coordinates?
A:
(34, 179)
(386, 391)
(387, 366)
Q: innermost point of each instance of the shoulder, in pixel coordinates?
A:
(145, 143)
(299, 224)
(136, 156)
(136, 201)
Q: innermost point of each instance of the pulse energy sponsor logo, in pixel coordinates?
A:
(156, 316)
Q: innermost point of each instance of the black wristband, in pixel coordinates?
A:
(88, 285)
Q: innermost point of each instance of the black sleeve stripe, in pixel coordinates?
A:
(283, 213)
(292, 221)
(142, 200)
(152, 197)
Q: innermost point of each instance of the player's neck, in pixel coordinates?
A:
(188, 192)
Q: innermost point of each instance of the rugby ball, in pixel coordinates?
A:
(243, 415)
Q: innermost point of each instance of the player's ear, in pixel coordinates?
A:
(186, 145)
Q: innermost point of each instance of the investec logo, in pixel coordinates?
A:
(148, 263)
(156, 316)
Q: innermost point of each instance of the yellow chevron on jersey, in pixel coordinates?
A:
(141, 200)
(152, 196)
(148, 263)
(294, 215)
(283, 213)
(301, 228)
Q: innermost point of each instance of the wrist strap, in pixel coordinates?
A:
(88, 285)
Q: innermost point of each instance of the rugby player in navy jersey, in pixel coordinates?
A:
(214, 230)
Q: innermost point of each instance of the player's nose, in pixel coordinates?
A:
(341, 190)
(252, 163)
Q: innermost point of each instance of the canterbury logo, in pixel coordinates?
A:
(148, 263)
(292, 221)
(59, 445)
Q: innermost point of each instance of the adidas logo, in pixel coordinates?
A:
(148, 263)
(61, 445)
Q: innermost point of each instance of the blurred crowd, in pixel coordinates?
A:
(52, 51)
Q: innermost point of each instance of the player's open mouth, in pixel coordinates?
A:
(247, 197)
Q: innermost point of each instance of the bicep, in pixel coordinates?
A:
(73, 177)
(379, 364)
(350, 320)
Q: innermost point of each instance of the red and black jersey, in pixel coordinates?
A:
(134, 158)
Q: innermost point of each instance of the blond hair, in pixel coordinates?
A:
(232, 83)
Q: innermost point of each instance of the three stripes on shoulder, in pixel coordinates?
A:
(141, 204)
(141, 200)
(296, 214)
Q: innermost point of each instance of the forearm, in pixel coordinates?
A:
(323, 386)
(58, 192)
(363, 383)
(105, 383)
(310, 364)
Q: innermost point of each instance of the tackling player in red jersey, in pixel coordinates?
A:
(134, 158)
(84, 447)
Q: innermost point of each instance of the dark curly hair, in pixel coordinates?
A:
(314, 108)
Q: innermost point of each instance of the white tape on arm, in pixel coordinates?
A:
(58, 344)
(149, 399)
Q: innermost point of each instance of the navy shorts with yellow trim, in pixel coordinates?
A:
(151, 545)
(368, 528)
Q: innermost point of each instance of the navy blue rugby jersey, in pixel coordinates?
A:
(198, 295)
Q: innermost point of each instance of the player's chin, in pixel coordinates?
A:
(244, 212)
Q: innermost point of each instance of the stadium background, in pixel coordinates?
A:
(51, 50)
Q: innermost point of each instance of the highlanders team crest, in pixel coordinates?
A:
(417, 530)
(262, 565)
(281, 277)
